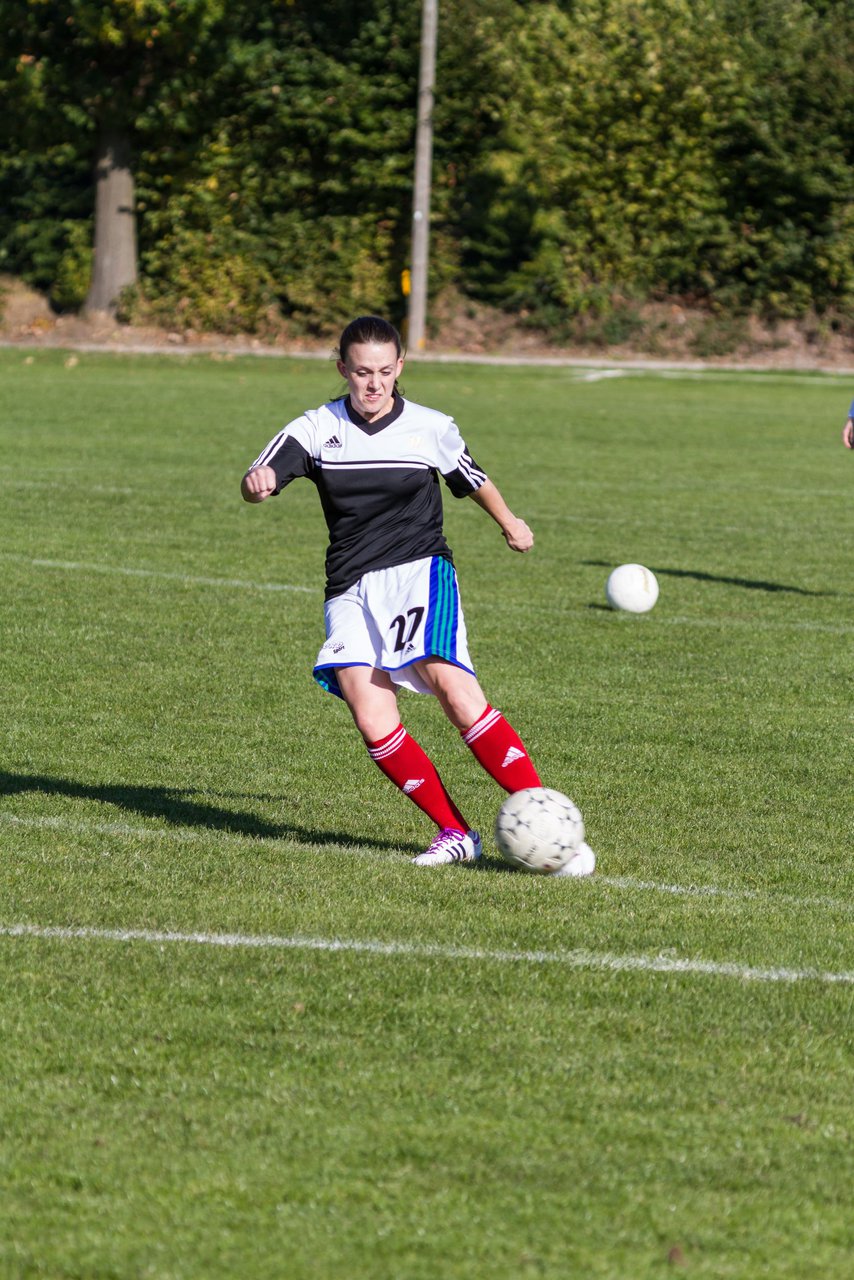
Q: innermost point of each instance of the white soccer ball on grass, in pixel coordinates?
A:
(633, 588)
(539, 830)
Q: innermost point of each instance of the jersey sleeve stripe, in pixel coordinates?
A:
(471, 470)
(270, 450)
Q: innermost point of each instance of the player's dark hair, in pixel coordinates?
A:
(366, 329)
(369, 329)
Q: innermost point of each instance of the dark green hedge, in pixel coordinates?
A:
(588, 155)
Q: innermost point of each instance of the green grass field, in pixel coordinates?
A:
(241, 1035)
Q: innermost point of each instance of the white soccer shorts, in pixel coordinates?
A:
(392, 618)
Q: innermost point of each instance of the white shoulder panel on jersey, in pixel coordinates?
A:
(434, 433)
(308, 430)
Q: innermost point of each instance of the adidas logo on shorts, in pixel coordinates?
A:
(332, 443)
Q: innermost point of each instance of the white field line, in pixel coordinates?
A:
(189, 579)
(660, 617)
(131, 831)
(176, 835)
(739, 895)
(123, 830)
(17, 483)
(578, 959)
(753, 371)
(829, 628)
(245, 585)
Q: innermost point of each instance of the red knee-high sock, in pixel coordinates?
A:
(497, 746)
(410, 768)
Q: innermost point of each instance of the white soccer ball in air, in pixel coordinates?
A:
(633, 588)
(538, 830)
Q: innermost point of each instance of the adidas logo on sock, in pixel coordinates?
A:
(512, 755)
(332, 443)
(412, 785)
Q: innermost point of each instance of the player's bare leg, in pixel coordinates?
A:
(370, 695)
(492, 740)
(458, 691)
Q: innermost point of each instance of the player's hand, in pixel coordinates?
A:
(258, 484)
(518, 536)
(848, 434)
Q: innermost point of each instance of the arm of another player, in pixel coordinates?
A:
(516, 533)
(258, 483)
(848, 431)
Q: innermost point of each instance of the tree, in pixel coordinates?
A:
(588, 155)
(650, 148)
(101, 69)
(293, 198)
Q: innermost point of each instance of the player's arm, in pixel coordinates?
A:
(848, 431)
(258, 483)
(285, 457)
(516, 533)
(466, 479)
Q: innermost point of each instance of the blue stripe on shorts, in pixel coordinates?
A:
(440, 629)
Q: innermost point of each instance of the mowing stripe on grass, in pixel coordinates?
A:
(184, 835)
(189, 579)
(425, 951)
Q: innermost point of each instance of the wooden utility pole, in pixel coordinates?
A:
(423, 168)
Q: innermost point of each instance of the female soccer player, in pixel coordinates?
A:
(848, 429)
(393, 613)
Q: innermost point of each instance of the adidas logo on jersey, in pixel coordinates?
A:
(332, 443)
(412, 785)
(512, 755)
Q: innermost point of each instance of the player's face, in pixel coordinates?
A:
(370, 370)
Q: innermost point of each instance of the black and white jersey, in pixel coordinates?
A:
(378, 482)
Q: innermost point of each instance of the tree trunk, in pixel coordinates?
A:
(114, 265)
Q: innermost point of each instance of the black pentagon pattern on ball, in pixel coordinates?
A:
(538, 829)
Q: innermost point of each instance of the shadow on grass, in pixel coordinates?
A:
(750, 584)
(177, 806)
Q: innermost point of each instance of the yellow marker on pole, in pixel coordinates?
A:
(406, 282)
